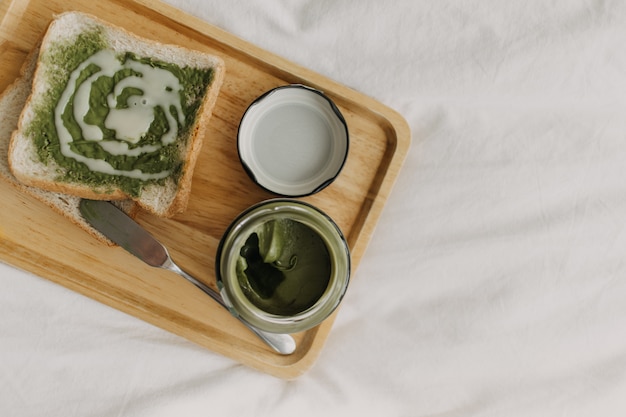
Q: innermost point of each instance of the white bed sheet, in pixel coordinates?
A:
(495, 282)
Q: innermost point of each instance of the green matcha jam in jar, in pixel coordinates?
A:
(283, 266)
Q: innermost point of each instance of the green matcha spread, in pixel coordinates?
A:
(90, 120)
(283, 267)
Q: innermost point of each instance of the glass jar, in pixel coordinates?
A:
(283, 266)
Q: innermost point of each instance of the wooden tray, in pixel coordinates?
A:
(36, 239)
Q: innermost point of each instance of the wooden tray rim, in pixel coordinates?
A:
(396, 129)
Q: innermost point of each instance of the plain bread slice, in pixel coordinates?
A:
(12, 101)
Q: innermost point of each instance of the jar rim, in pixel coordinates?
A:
(241, 228)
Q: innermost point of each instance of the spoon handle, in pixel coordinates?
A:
(281, 343)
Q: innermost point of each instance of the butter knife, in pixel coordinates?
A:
(121, 229)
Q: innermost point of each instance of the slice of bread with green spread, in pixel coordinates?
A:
(12, 101)
(114, 116)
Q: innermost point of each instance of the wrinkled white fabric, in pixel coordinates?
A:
(495, 282)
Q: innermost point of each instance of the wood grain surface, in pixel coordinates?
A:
(36, 239)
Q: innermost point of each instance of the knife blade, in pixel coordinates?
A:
(124, 231)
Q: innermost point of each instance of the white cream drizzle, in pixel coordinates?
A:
(160, 88)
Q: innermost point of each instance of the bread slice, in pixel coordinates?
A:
(12, 101)
(154, 103)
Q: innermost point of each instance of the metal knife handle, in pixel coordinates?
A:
(281, 343)
(121, 229)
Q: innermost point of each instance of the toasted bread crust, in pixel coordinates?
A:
(14, 97)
